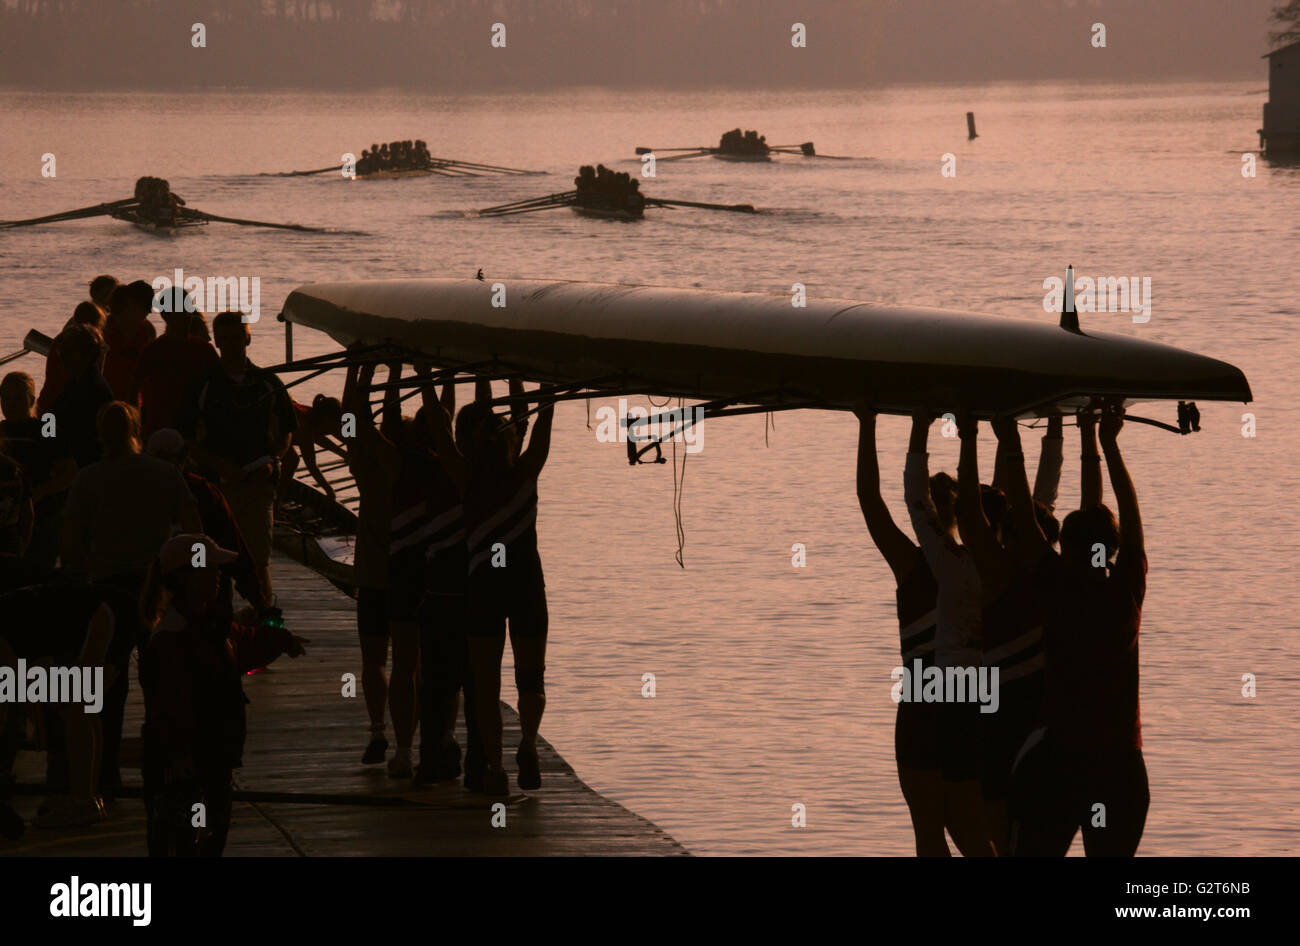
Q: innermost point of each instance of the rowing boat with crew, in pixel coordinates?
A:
(741, 147)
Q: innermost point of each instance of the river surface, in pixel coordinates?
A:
(772, 682)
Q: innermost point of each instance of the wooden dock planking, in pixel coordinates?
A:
(305, 738)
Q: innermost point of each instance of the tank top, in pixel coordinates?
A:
(501, 515)
(1013, 632)
(427, 530)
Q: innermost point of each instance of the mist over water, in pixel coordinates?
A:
(773, 682)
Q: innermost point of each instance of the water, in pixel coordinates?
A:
(772, 681)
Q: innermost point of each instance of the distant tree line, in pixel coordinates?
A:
(444, 44)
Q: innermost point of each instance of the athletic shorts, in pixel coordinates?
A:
(916, 736)
(524, 608)
(402, 599)
(372, 614)
(1056, 791)
(253, 506)
(959, 741)
(1003, 733)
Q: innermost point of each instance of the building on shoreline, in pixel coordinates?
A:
(1281, 131)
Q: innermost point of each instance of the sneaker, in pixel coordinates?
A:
(495, 783)
(375, 751)
(399, 766)
(530, 772)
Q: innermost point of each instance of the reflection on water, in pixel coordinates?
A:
(773, 682)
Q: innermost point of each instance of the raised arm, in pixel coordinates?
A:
(1033, 544)
(1130, 518)
(392, 417)
(444, 442)
(1090, 490)
(977, 535)
(533, 459)
(916, 494)
(356, 399)
(1047, 480)
(898, 550)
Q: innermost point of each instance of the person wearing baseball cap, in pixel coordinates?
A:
(191, 674)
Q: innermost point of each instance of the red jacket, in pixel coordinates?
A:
(193, 690)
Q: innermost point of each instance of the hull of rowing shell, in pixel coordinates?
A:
(158, 229)
(608, 213)
(703, 344)
(389, 175)
(742, 158)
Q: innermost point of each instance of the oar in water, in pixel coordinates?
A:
(203, 215)
(562, 199)
(332, 167)
(98, 210)
(737, 208)
(484, 167)
(807, 150)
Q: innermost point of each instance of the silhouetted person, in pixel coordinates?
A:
(317, 425)
(56, 375)
(1090, 750)
(240, 421)
(1011, 618)
(506, 586)
(69, 626)
(127, 333)
(957, 640)
(119, 512)
(370, 556)
(76, 410)
(45, 462)
(445, 668)
(170, 364)
(916, 746)
(191, 674)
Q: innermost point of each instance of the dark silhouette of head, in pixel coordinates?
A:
(326, 414)
(485, 442)
(101, 289)
(1084, 529)
(88, 313)
(943, 492)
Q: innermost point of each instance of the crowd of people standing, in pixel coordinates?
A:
(138, 495)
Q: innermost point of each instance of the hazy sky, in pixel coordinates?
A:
(740, 43)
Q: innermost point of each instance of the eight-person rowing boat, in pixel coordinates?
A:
(738, 146)
(600, 192)
(154, 209)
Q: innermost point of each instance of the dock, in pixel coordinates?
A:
(303, 791)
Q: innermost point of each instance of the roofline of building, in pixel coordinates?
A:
(1280, 49)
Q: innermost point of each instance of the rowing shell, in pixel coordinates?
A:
(156, 227)
(607, 213)
(758, 348)
(741, 158)
(395, 173)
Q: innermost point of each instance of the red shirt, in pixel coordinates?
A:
(124, 356)
(167, 368)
